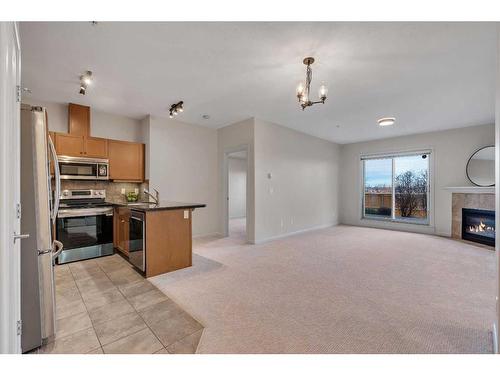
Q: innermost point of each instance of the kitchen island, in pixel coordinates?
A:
(154, 238)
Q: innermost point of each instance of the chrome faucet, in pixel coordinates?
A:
(156, 197)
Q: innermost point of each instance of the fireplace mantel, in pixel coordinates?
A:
(471, 189)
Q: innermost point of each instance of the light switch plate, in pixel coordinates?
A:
(186, 214)
(136, 191)
(123, 191)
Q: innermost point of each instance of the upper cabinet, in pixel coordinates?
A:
(79, 119)
(126, 160)
(77, 145)
(69, 144)
(78, 141)
(96, 147)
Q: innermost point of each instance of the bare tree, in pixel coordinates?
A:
(411, 193)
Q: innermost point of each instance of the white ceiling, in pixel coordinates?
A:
(429, 76)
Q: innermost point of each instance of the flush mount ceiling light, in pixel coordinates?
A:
(85, 81)
(303, 91)
(176, 108)
(386, 121)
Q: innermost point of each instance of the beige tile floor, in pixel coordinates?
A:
(105, 306)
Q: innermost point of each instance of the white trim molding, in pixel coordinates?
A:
(471, 189)
(318, 227)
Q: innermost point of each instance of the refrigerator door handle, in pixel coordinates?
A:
(18, 236)
(58, 247)
(57, 193)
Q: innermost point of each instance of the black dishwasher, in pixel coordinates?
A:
(137, 240)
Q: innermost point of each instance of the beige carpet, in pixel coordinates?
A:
(238, 228)
(339, 290)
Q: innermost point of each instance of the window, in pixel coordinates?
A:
(396, 187)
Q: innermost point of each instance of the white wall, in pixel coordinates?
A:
(104, 125)
(183, 167)
(450, 151)
(229, 139)
(237, 187)
(303, 190)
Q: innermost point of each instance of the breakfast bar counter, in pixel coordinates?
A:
(154, 238)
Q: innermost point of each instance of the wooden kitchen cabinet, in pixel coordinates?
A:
(168, 241)
(78, 119)
(69, 144)
(96, 147)
(121, 224)
(167, 238)
(126, 160)
(76, 145)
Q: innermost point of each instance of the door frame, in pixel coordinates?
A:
(10, 263)
(225, 188)
(496, 322)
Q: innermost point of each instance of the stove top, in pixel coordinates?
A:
(83, 204)
(83, 198)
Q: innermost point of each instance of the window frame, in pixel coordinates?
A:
(393, 156)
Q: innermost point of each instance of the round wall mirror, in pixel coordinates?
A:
(481, 167)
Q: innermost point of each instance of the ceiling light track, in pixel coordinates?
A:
(303, 91)
(176, 108)
(85, 81)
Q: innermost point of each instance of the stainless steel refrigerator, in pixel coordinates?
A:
(38, 212)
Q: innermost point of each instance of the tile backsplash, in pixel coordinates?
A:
(113, 189)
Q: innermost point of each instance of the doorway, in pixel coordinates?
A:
(237, 170)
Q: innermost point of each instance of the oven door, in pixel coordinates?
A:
(85, 233)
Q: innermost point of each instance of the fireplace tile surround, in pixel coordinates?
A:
(480, 201)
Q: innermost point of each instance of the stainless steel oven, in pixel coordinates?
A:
(76, 168)
(84, 225)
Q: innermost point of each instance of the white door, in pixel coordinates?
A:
(10, 282)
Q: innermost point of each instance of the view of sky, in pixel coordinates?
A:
(378, 172)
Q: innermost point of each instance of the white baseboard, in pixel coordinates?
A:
(208, 234)
(288, 234)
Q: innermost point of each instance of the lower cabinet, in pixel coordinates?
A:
(167, 244)
(168, 241)
(121, 229)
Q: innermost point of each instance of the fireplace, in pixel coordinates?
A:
(478, 226)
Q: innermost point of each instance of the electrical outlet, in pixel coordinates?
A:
(123, 191)
(136, 191)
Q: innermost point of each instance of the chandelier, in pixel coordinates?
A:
(303, 91)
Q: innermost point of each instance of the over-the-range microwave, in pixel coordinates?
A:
(76, 168)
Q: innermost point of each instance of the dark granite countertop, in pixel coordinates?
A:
(163, 205)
